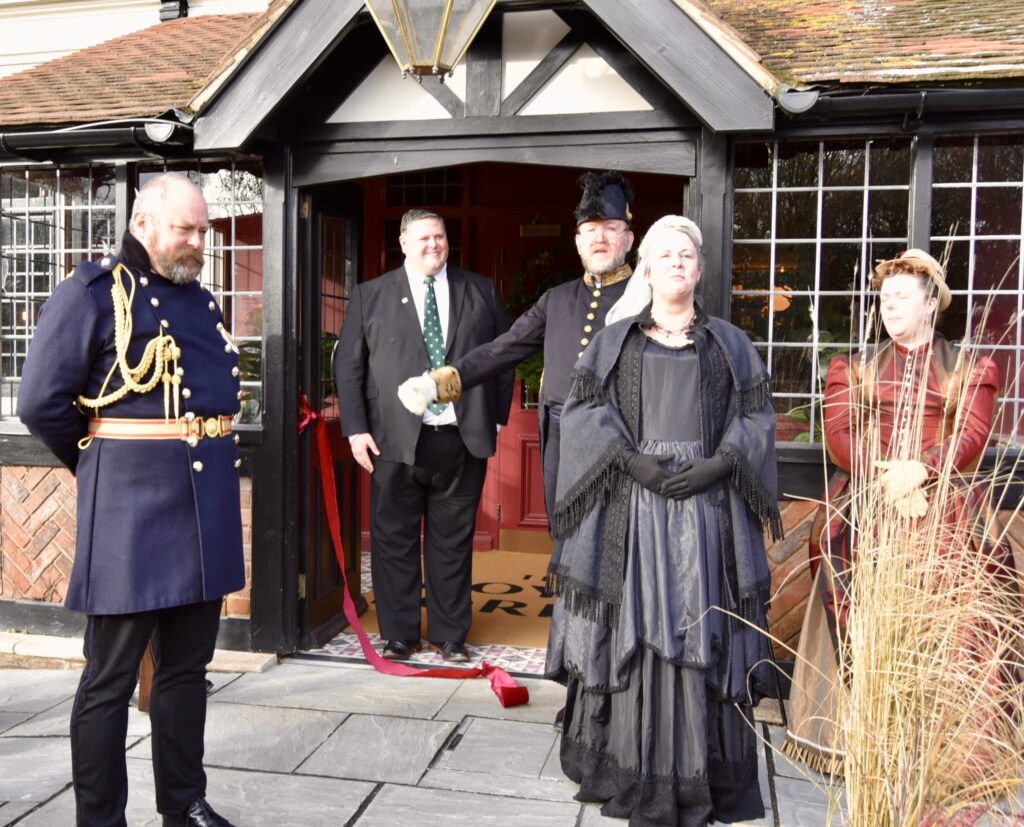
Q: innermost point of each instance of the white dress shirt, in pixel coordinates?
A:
(418, 288)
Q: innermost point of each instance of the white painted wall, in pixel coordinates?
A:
(35, 31)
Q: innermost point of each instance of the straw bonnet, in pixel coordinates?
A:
(916, 263)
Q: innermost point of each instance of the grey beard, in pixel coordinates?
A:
(181, 270)
(606, 269)
(182, 273)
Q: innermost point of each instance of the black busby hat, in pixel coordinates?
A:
(606, 195)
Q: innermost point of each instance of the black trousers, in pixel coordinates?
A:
(550, 443)
(183, 642)
(441, 492)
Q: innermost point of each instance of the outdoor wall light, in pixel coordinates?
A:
(429, 37)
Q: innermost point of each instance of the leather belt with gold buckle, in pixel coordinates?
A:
(189, 428)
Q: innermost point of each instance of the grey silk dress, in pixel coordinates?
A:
(658, 722)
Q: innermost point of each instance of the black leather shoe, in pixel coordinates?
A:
(452, 652)
(559, 723)
(199, 814)
(400, 649)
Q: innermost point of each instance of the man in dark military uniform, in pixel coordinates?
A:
(562, 322)
(132, 382)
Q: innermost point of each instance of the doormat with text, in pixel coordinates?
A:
(510, 616)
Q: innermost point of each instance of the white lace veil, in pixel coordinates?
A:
(638, 290)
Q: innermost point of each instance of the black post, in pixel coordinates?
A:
(275, 531)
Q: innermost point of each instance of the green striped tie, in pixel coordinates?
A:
(433, 336)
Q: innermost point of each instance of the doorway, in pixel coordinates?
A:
(510, 222)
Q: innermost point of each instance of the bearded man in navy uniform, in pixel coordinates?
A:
(132, 382)
(562, 322)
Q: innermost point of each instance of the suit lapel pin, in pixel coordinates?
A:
(405, 299)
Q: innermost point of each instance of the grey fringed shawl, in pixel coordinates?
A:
(599, 431)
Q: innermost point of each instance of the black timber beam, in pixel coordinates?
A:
(668, 152)
(288, 54)
(483, 71)
(689, 62)
(275, 503)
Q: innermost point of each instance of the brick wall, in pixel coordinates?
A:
(791, 578)
(37, 533)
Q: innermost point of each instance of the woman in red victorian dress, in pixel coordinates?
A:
(912, 416)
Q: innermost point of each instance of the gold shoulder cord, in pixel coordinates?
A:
(162, 354)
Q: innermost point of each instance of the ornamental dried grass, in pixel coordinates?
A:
(930, 701)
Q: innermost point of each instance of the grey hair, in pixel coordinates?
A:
(417, 215)
(154, 191)
(638, 292)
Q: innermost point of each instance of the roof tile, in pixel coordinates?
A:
(141, 74)
(807, 42)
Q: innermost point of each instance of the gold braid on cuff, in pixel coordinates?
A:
(449, 383)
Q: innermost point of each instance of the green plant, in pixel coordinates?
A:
(540, 273)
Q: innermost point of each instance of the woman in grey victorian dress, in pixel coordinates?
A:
(666, 482)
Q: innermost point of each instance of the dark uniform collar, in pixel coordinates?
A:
(133, 253)
(623, 273)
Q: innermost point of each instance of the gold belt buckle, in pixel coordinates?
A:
(212, 427)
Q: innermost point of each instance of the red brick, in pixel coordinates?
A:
(13, 486)
(237, 606)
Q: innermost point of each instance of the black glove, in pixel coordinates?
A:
(695, 476)
(646, 469)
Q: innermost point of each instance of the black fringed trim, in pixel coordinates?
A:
(585, 386)
(753, 601)
(589, 607)
(760, 501)
(755, 398)
(581, 599)
(580, 500)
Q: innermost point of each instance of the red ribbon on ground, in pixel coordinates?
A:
(504, 686)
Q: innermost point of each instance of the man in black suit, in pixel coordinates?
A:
(561, 323)
(425, 469)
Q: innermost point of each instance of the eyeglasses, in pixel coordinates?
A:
(602, 232)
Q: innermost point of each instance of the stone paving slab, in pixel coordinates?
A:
(27, 651)
(13, 810)
(475, 698)
(396, 806)
(35, 690)
(803, 804)
(220, 680)
(590, 816)
(500, 747)
(12, 719)
(340, 689)
(33, 769)
(56, 722)
(787, 767)
(260, 738)
(516, 786)
(553, 764)
(379, 748)
(253, 799)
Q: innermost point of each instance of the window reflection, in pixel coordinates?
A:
(836, 207)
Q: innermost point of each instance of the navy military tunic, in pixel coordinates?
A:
(563, 322)
(159, 523)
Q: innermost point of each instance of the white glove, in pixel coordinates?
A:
(900, 477)
(417, 392)
(913, 504)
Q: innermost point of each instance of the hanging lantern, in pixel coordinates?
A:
(429, 37)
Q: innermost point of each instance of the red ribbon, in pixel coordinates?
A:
(503, 685)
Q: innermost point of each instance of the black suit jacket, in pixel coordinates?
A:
(381, 345)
